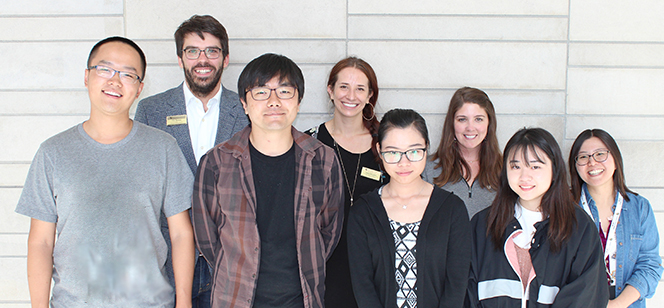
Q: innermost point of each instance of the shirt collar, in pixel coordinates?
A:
(590, 200)
(239, 143)
(189, 97)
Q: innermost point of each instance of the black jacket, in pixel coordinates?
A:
(443, 251)
(572, 277)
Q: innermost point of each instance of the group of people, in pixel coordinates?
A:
(355, 212)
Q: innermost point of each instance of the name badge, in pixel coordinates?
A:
(371, 174)
(176, 120)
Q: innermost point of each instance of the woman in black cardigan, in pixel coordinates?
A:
(409, 241)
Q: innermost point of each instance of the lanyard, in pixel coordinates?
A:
(611, 242)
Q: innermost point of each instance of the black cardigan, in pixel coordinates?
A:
(443, 252)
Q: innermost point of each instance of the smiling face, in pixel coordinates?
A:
(596, 174)
(403, 140)
(470, 126)
(273, 114)
(350, 93)
(203, 75)
(529, 176)
(112, 96)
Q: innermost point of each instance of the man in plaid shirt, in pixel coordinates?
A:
(268, 203)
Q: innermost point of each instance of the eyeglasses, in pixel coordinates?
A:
(393, 157)
(193, 53)
(263, 93)
(108, 73)
(599, 156)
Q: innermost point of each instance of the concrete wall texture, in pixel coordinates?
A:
(565, 65)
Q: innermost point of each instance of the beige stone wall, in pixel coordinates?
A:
(565, 65)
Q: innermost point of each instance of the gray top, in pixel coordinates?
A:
(106, 200)
(475, 197)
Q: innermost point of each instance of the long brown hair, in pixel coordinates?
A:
(614, 151)
(557, 202)
(369, 111)
(450, 161)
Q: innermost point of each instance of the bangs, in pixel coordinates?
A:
(524, 150)
(262, 80)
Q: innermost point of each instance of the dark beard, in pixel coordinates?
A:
(202, 89)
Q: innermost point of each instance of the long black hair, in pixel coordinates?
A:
(557, 202)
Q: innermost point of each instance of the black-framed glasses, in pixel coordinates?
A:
(192, 53)
(413, 155)
(108, 73)
(263, 93)
(599, 156)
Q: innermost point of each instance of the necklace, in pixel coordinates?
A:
(404, 206)
(357, 171)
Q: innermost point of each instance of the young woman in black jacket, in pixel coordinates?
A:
(409, 241)
(534, 247)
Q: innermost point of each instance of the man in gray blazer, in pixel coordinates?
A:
(200, 113)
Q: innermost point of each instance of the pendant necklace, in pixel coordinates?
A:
(357, 171)
(405, 206)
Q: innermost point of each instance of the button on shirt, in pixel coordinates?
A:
(202, 125)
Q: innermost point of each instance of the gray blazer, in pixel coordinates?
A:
(154, 110)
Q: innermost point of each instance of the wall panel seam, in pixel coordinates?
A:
(456, 15)
(427, 40)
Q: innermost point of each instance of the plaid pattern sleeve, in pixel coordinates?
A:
(224, 221)
(333, 206)
(319, 214)
(205, 216)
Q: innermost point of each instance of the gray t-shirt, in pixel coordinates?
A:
(475, 197)
(106, 200)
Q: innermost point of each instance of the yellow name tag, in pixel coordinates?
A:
(371, 174)
(176, 120)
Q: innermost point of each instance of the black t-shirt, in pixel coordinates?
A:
(278, 283)
(338, 289)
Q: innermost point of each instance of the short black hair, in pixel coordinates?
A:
(260, 70)
(200, 24)
(124, 40)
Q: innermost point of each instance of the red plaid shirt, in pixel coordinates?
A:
(224, 217)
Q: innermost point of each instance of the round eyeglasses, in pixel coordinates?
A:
(263, 93)
(393, 157)
(193, 53)
(599, 156)
(108, 73)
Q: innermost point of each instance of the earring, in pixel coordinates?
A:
(373, 113)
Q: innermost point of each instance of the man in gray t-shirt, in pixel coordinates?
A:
(101, 187)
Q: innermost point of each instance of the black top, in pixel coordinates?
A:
(443, 252)
(338, 289)
(278, 283)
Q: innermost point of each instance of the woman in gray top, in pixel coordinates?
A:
(468, 159)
